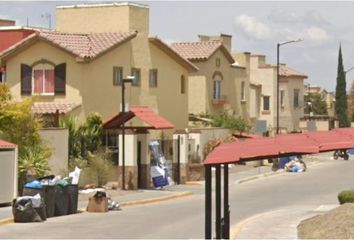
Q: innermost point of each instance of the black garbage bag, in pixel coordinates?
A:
(24, 211)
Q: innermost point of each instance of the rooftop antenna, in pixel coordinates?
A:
(48, 16)
(27, 22)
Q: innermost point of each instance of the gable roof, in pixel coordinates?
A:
(52, 107)
(201, 51)
(173, 54)
(85, 46)
(289, 72)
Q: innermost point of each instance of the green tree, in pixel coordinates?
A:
(318, 104)
(230, 122)
(19, 125)
(341, 95)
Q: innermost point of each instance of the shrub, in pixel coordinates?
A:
(346, 196)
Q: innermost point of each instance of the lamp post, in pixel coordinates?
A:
(129, 79)
(278, 47)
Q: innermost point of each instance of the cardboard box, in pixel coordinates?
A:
(97, 204)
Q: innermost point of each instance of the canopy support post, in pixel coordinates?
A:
(208, 202)
(226, 226)
(218, 202)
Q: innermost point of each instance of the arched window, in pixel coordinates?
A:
(217, 78)
(183, 84)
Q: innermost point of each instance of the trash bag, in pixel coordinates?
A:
(34, 184)
(113, 205)
(24, 210)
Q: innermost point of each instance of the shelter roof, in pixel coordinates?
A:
(288, 144)
(143, 113)
(202, 50)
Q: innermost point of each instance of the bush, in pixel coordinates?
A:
(346, 196)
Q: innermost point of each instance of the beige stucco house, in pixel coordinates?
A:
(263, 93)
(79, 68)
(220, 85)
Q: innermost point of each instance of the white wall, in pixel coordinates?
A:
(57, 140)
(8, 175)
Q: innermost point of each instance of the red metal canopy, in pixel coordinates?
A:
(6, 145)
(288, 144)
(143, 113)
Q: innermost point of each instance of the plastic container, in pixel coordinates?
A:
(61, 202)
(73, 195)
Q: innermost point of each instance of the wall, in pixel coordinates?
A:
(289, 116)
(201, 137)
(8, 173)
(58, 141)
(9, 38)
(114, 17)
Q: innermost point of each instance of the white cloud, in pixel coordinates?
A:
(316, 34)
(253, 28)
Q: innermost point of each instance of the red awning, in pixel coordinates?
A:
(143, 113)
(296, 143)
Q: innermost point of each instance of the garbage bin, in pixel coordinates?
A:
(49, 200)
(73, 194)
(61, 202)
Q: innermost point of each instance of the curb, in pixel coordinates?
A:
(6, 221)
(237, 228)
(156, 199)
(194, 183)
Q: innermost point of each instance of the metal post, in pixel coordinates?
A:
(208, 202)
(217, 202)
(278, 45)
(123, 138)
(226, 227)
(178, 172)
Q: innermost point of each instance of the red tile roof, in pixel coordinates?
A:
(6, 145)
(51, 108)
(199, 51)
(87, 46)
(144, 113)
(289, 72)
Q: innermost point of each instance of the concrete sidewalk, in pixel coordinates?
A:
(278, 224)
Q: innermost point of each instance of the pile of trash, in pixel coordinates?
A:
(295, 165)
(100, 201)
(46, 197)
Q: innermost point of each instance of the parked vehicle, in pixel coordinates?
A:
(341, 153)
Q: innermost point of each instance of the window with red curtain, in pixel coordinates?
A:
(43, 81)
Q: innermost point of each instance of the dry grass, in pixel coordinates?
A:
(335, 224)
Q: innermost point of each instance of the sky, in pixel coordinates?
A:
(255, 26)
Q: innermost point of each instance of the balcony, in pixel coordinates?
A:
(219, 101)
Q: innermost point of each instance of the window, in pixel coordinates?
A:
(183, 84)
(2, 75)
(243, 97)
(296, 98)
(153, 78)
(217, 89)
(217, 77)
(217, 62)
(136, 74)
(117, 76)
(266, 103)
(282, 94)
(43, 79)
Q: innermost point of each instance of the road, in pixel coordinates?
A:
(184, 218)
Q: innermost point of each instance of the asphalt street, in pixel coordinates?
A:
(184, 217)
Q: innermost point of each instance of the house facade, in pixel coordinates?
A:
(263, 93)
(219, 85)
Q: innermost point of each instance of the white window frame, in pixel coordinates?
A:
(36, 68)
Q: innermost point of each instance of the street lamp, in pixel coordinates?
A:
(129, 79)
(278, 46)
